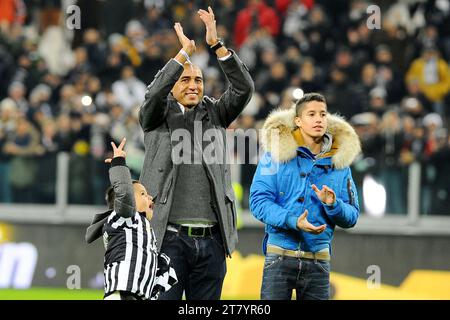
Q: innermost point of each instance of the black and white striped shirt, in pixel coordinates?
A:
(131, 257)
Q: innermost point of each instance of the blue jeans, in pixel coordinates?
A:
(199, 263)
(282, 274)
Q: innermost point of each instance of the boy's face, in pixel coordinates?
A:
(144, 202)
(313, 119)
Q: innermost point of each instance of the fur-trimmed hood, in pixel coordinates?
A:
(278, 138)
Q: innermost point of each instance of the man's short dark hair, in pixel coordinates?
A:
(110, 196)
(309, 97)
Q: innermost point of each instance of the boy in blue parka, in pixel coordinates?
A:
(301, 190)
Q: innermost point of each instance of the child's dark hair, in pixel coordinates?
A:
(110, 196)
(312, 96)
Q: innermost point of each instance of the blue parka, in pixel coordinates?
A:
(281, 188)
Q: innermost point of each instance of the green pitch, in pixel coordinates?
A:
(65, 294)
(50, 294)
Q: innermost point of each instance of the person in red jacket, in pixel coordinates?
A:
(11, 12)
(256, 15)
(283, 5)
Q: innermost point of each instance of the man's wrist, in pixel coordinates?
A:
(186, 55)
(188, 52)
(213, 43)
(182, 57)
(222, 53)
(216, 45)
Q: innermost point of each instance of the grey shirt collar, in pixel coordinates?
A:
(326, 144)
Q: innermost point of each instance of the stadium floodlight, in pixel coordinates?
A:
(86, 101)
(374, 197)
(297, 93)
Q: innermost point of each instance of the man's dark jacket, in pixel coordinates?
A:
(160, 116)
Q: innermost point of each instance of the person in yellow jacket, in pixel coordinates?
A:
(433, 74)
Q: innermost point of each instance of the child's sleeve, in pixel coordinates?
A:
(120, 178)
(166, 276)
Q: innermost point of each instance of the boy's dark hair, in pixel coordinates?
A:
(312, 96)
(110, 196)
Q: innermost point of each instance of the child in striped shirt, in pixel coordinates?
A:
(133, 269)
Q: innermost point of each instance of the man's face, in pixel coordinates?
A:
(188, 90)
(144, 202)
(313, 119)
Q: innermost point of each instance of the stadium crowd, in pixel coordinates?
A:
(72, 91)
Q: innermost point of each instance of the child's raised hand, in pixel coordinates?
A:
(117, 151)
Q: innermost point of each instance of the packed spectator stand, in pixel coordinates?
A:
(73, 91)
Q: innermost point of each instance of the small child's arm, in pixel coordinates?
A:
(120, 177)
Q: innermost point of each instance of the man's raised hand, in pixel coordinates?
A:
(187, 44)
(210, 23)
(117, 151)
